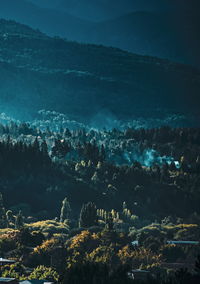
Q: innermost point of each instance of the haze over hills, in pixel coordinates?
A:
(81, 80)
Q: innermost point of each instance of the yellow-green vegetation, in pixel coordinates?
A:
(49, 226)
(108, 248)
(14, 271)
(41, 272)
(138, 257)
(180, 226)
(176, 232)
(80, 245)
(19, 272)
(46, 246)
(7, 231)
(102, 254)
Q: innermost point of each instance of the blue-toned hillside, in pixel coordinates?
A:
(78, 79)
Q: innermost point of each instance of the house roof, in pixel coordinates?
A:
(135, 243)
(2, 279)
(139, 271)
(184, 242)
(6, 260)
(35, 281)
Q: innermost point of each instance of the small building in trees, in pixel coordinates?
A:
(35, 281)
(139, 274)
(183, 242)
(4, 261)
(8, 280)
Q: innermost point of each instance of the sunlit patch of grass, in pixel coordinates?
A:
(49, 226)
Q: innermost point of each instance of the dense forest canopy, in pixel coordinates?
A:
(98, 201)
(155, 162)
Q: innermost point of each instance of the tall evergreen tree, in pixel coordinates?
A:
(109, 222)
(36, 146)
(3, 219)
(19, 223)
(9, 216)
(65, 210)
(44, 148)
(88, 215)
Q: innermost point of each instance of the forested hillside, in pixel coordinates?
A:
(156, 171)
(99, 163)
(98, 203)
(166, 29)
(78, 79)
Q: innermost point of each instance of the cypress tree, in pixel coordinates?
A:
(88, 215)
(9, 216)
(44, 148)
(65, 210)
(3, 219)
(19, 223)
(109, 222)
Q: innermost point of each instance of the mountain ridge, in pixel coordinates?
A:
(163, 34)
(84, 79)
(49, 21)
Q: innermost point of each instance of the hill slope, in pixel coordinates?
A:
(99, 10)
(148, 29)
(160, 34)
(42, 72)
(52, 22)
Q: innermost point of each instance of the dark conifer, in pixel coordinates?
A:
(88, 215)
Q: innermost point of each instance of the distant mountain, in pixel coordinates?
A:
(52, 22)
(151, 33)
(170, 35)
(82, 80)
(99, 10)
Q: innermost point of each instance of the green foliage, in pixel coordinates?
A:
(88, 215)
(44, 273)
(3, 219)
(49, 226)
(6, 245)
(10, 218)
(19, 222)
(16, 270)
(65, 210)
(173, 253)
(24, 237)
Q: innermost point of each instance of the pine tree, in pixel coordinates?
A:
(44, 152)
(44, 148)
(36, 146)
(102, 153)
(65, 210)
(109, 222)
(9, 216)
(88, 215)
(19, 223)
(3, 219)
